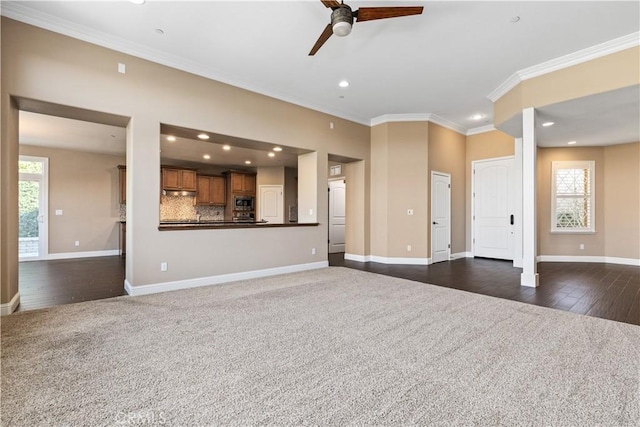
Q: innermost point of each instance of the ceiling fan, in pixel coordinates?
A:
(342, 18)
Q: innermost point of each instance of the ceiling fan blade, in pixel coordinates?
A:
(330, 3)
(371, 13)
(328, 31)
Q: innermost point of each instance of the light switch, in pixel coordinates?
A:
(409, 211)
(122, 68)
(58, 212)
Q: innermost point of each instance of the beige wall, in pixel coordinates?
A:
(41, 65)
(568, 244)
(400, 181)
(487, 145)
(447, 154)
(85, 186)
(622, 201)
(614, 71)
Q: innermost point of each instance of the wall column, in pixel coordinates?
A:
(529, 275)
(517, 231)
(9, 295)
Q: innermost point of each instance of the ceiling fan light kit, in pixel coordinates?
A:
(343, 16)
(342, 20)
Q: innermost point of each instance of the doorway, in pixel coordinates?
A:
(440, 216)
(493, 192)
(337, 215)
(272, 204)
(33, 199)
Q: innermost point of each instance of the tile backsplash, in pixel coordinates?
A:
(183, 208)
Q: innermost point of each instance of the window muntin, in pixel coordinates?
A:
(573, 197)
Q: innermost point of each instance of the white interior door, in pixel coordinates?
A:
(337, 215)
(33, 208)
(440, 216)
(493, 208)
(272, 204)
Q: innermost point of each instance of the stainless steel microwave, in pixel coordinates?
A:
(243, 203)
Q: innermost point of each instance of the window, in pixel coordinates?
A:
(572, 197)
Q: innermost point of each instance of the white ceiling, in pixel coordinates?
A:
(444, 62)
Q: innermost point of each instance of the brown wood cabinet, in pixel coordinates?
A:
(242, 183)
(211, 190)
(123, 183)
(175, 179)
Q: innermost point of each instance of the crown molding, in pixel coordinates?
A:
(566, 61)
(480, 129)
(418, 117)
(441, 121)
(386, 118)
(30, 16)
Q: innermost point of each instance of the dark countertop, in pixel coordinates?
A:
(199, 225)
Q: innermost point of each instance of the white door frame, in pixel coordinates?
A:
(43, 217)
(448, 176)
(473, 201)
(329, 222)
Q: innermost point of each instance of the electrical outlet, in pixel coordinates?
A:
(409, 211)
(122, 68)
(58, 212)
(408, 248)
(310, 211)
(582, 246)
(164, 266)
(313, 251)
(77, 242)
(330, 125)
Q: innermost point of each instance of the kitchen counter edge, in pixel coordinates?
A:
(171, 227)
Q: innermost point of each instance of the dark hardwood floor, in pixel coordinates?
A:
(608, 291)
(48, 283)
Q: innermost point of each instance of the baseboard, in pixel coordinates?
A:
(91, 254)
(358, 258)
(399, 260)
(599, 259)
(387, 260)
(394, 260)
(217, 280)
(459, 255)
(10, 307)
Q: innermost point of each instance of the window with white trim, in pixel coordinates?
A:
(573, 197)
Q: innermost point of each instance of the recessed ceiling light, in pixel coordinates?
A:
(277, 149)
(343, 83)
(138, 1)
(203, 136)
(206, 157)
(226, 147)
(571, 142)
(247, 162)
(272, 154)
(547, 124)
(477, 116)
(171, 138)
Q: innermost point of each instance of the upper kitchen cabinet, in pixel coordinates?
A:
(123, 183)
(175, 179)
(243, 183)
(211, 190)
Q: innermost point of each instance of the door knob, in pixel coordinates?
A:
(435, 223)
